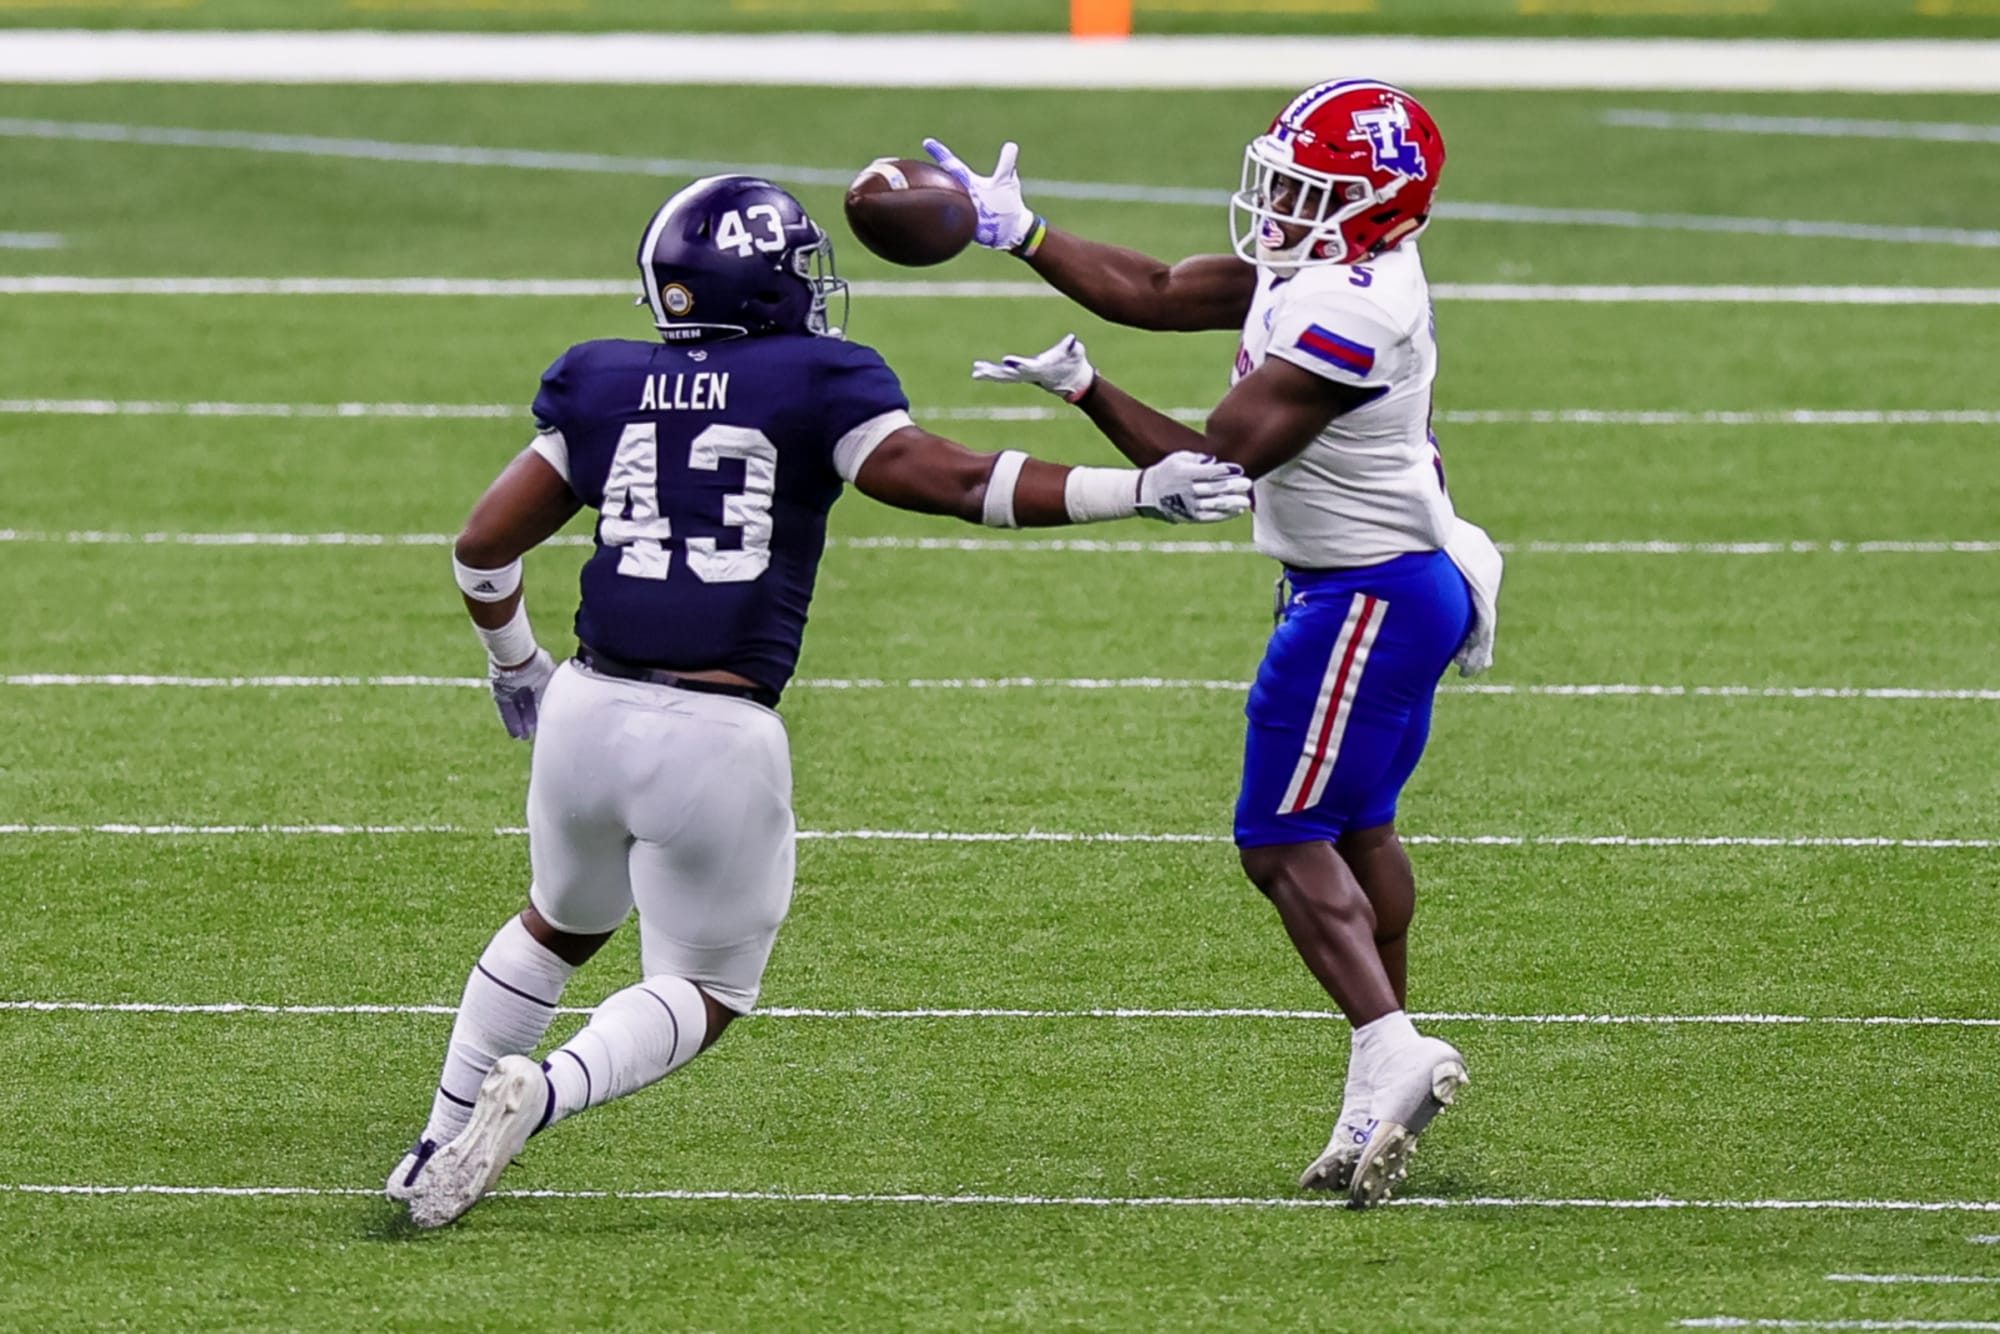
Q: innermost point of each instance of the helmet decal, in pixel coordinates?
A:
(1385, 129)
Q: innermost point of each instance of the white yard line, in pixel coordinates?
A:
(1894, 547)
(106, 407)
(37, 679)
(1950, 132)
(61, 285)
(1895, 1279)
(1052, 836)
(920, 288)
(536, 159)
(31, 241)
(1011, 684)
(1122, 1013)
(1033, 412)
(679, 169)
(1732, 294)
(1745, 1323)
(91, 538)
(1195, 547)
(994, 61)
(1720, 692)
(1697, 222)
(379, 150)
(1649, 1205)
(1724, 417)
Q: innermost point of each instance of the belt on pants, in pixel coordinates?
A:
(605, 665)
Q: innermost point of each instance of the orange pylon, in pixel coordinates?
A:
(1100, 18)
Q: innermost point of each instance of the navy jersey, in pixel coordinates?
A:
(712, 468)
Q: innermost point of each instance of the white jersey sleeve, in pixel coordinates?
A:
(1370, 487)
(1336, 334)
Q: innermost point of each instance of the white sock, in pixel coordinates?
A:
(1355, 1095)
(1381, 1039)
(638, 1036)
(509, 1001)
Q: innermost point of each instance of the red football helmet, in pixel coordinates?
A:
(1353, 162)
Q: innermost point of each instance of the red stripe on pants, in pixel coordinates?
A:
(1368, 605)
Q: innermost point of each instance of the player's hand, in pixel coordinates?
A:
(1187, 487)
(517, 692)
(1064, 369)
(1004, 220)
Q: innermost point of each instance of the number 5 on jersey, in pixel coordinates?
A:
(633, 519)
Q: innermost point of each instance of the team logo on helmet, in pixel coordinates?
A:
(677, 299)
(1385, 129)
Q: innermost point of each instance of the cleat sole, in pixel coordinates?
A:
(1330, 1173)
(460, 1173)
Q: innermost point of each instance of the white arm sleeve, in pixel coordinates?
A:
(1000, 484)
(554, 450)
(852, 450)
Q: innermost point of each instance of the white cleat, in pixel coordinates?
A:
(511, 1102)
(402, 1183)
(1409, 1092)
(1334, 1168)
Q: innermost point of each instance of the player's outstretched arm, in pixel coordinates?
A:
(1127, 287)
(915, 470)
(1265, 420)
(1111, 282)
(523, 508)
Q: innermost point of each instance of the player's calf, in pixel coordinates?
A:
(510, 999)
(637, 1037)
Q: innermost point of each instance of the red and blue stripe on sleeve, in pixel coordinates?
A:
(1352, 357)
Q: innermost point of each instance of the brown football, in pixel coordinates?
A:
(910, 212)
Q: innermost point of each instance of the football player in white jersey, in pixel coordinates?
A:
(1329, 410)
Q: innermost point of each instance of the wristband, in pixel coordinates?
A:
(513, 644)
(487, 585)
(1093, 495)
(1029, 244)
(998, 511)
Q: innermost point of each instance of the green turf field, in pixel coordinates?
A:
(1568, 1125)
(1510, 18)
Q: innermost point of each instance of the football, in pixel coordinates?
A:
(910, 212)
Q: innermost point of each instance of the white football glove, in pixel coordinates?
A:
(1064, 369)
(1187, 487)
(517, 692)
(1004, 220)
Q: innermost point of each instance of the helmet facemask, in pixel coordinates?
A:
(814, 265)
(1277, 195)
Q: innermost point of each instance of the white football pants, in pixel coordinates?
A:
(676, 803)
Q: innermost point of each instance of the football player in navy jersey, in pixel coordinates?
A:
(661, 778)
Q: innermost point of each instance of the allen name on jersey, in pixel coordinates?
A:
(702, 391)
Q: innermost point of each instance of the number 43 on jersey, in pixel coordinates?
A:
(634, 521)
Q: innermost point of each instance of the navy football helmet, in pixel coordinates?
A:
(738, 257)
